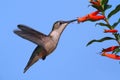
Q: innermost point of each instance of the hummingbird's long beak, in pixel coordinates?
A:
(70, 21)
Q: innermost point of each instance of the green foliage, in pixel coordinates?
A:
(102, 24)
(116, 51)
(102, 8)
(107, 7)
(100, 40)
(116, 23)
(107, 25)
(117, 9)
(117, 36)
(104, 4)
(97, 7)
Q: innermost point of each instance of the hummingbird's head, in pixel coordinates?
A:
(58, 28)
(58, 24)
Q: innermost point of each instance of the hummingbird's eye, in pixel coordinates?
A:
(60, 23)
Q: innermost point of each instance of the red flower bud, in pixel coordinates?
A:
(111, 31)
(112, 48)
(112, 56)
(97, 3)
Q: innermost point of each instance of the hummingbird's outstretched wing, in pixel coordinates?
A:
(37, 54)
(36, 37)
(31, 34)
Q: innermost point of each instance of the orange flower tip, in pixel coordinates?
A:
(78, 19)
(103, 54)
(82, 19)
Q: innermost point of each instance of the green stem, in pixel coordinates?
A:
(106, 20)
(110, 27)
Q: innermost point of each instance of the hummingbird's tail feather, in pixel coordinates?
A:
(37, 54)
(30, 34)
(30, 64)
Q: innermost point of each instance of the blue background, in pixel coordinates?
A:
(71, 60)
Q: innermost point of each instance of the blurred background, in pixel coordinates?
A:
(71, 60)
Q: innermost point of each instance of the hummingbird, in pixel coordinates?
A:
(46, 44)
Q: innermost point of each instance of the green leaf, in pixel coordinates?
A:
(100, 40)
(103, 2)
(117, 9)
(116, 23)
(97, 7)
(107, 7)
(116, 51)
(117, 36)
(103, 24)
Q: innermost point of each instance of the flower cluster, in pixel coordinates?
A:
(110, 49)
(101, 6)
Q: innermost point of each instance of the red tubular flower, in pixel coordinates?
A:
(95, 18)
(111, 31)
(112, 56)
(112, 48)
(92, 16)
